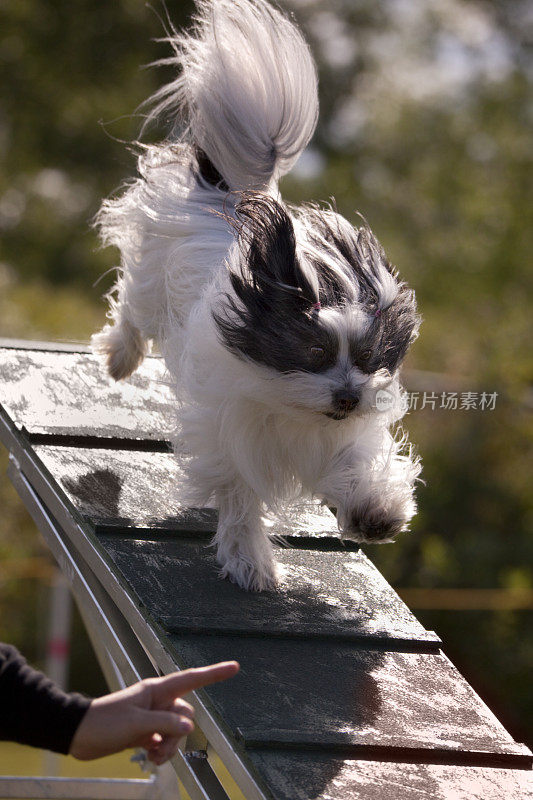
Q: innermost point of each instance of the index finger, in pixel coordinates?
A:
(179, 683)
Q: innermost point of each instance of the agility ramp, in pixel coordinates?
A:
(342, 693)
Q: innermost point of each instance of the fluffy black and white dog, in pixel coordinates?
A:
(283, 328)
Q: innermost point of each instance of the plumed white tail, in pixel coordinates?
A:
(247, 90)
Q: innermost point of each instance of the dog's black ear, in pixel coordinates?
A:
(269, 264)
(358, 249)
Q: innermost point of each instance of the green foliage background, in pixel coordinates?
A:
(443, 177)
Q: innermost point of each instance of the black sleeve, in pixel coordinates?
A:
(33, 710)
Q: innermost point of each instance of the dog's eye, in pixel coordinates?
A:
(317, 353)
(365, 355)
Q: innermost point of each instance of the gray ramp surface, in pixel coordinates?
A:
(336, 595)
(342, 692)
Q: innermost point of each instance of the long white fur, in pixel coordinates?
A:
(247, 88)
(253, 439)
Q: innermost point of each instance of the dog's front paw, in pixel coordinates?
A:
(253, 577)
(374, 524)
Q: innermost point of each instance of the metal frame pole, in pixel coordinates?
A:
(123, 658)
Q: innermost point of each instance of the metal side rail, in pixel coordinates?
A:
(52, 513)
(124, 661)
(80, 788)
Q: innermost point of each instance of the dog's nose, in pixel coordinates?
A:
(345, 401)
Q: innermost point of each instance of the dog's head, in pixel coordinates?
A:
(315, 301)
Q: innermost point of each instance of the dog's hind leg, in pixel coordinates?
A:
(123, 347)
(121, 343)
